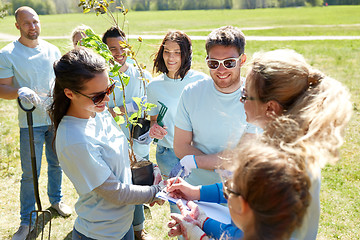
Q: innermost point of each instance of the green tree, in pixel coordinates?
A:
(228, 4)
(40, 6)
(189, 5)
(315, 2)
(4, 7)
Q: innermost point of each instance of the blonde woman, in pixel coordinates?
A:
(303, 112)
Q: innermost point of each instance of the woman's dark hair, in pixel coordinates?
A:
(72, 71)
(184, 42)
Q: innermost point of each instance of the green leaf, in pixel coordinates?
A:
(124, 78)
(116, 67)
(119, 120)
(117, 110)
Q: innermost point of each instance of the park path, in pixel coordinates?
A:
(8, 37)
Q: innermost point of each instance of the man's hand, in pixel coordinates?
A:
(188, 162)
(29, 96)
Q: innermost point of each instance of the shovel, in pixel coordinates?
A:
(160, 117)
(38, 212)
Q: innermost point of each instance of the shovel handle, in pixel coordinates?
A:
(32, 151)
(24, 108)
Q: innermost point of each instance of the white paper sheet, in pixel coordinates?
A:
(213, 210)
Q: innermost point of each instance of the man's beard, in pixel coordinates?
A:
(32, 36)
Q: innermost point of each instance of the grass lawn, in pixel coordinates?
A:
(340, 215)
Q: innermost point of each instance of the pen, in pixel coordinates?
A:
(177, 176)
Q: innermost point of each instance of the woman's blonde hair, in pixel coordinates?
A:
(316, 108)
(78, 30)
(274, 186)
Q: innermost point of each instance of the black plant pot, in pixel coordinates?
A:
(143, 175)
(140, 130)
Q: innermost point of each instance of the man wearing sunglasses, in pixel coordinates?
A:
(135, 88)
(26, 72)
(210, 116)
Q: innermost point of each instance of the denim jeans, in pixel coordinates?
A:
(79, 236)
(43, 134)
(166, 159)
(139, 218)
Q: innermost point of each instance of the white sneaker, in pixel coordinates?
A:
(63, 209)
(21, 233)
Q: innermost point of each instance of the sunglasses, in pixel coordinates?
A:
(228, 63)
(227, 190)
(98, 98)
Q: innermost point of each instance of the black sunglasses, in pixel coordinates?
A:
(227, 190)
(228, 63)
(98, 98)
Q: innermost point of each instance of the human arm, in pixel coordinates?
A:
(216, 230)
(7, 91)
(118, 193)
(183, 143)
(212, 193)
(183, 146)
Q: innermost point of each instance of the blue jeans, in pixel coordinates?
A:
(139, 218)
(165, 159)
(79, 236)
(43, 134)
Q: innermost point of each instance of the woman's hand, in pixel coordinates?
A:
(185, 226)
(157, 175)
(156, 131)
(182, 190)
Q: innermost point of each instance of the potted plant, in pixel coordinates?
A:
(137, 123)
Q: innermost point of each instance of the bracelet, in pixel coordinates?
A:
(204, 235)
(202, 227)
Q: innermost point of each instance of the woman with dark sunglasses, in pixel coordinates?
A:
(302, 112)
(92, 150)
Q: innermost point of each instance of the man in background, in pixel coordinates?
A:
(26, 72)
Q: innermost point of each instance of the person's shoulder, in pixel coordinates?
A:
(8, 49)
(51, 46)
(197, 74)
(200, 84)
(157, 80)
